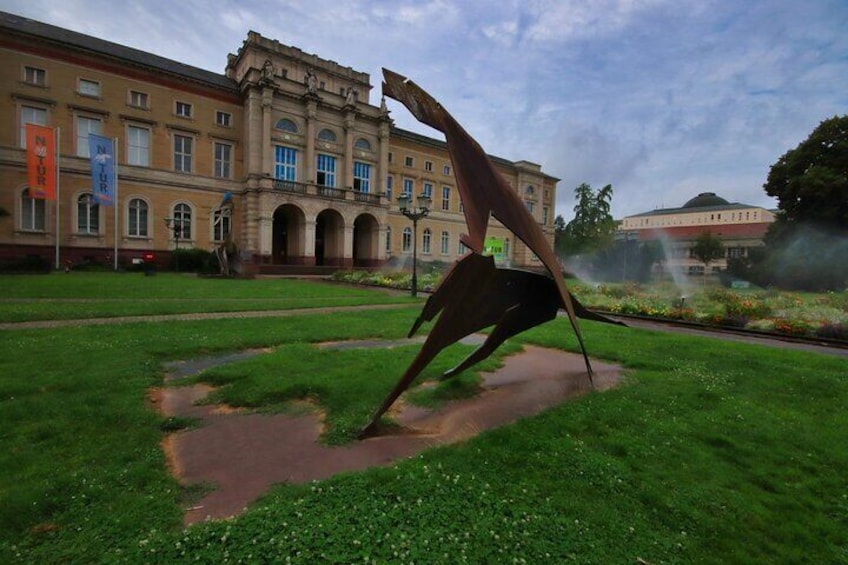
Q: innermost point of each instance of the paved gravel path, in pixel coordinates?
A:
(46, 324)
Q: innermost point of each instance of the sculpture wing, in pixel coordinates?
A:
(482, 188)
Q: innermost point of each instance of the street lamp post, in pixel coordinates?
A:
(415, 213)
(176, 227)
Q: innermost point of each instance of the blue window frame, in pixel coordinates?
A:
(326, 170)
(407, 187)
(361, 176)
(285, 163)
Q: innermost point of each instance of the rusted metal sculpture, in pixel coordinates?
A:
(475, 294)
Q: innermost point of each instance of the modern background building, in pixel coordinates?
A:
(313, 164)
(739, 227)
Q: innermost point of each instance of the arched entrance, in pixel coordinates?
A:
(289, 233)
(366, 231)
(329, 238)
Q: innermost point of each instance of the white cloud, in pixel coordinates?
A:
(661, 98)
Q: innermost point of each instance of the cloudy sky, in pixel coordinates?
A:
(663, 99)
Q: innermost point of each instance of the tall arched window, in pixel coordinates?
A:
(182, 221)
(425, 242)
(327, 135)
(88, 215)
(407, 239)
(32, 212)
(285, 124)
(137, 220)
(445, 243)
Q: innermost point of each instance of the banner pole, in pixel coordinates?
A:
(58, 138)
(115, 203)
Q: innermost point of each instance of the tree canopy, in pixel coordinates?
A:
(592, 228)
(707, 248)
(807, 246)
(810, 182)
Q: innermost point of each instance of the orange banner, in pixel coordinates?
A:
(41, 161)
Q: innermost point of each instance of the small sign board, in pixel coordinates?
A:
(494, 246)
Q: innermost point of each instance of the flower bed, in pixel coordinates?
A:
(823, 315)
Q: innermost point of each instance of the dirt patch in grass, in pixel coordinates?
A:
(244, 453)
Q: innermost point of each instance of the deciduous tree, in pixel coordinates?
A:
(707, 249)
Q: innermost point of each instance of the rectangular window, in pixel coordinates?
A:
(446, 170)
(224, 119)
(361, 177)
(390, 181)
(31, 115)
(139, 99)
(407, 187)
(182, 109)
(391, 157)
(86, 126)
(409, 161)
(428, 189)
(545, 212)
(137, 224)
(530, 206)
(428, 166)
(32, 213)
(326, 171)
(285, 163)
(446, 198)
(138, 146)
(36, 76)
(223, 160)
(445, 243)
(220, 225)
(89, 88)
(182, 153)
(88, 215)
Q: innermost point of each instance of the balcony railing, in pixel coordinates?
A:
(366, 197)
(290, 186)
(330, 192)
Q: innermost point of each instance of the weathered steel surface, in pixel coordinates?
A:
(475, 294)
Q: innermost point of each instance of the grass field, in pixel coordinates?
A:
(710, 452)
(80, 295)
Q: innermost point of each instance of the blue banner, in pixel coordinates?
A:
(102, 154)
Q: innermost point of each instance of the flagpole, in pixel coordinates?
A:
(115, 203)
(58, 192)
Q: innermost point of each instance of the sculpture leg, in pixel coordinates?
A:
(426, 354)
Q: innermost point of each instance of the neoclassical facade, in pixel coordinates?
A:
(740, 227)
(306, 153)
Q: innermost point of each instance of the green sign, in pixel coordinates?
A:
(494, 246)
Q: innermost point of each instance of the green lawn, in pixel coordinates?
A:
(77, 295)
(710, 452)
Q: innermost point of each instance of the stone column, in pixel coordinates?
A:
(253, 133)
(309, 243)
(347, 254)
(311, 116)
(349, 122)
(381, 242)
(267, 155)
(383, 163)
